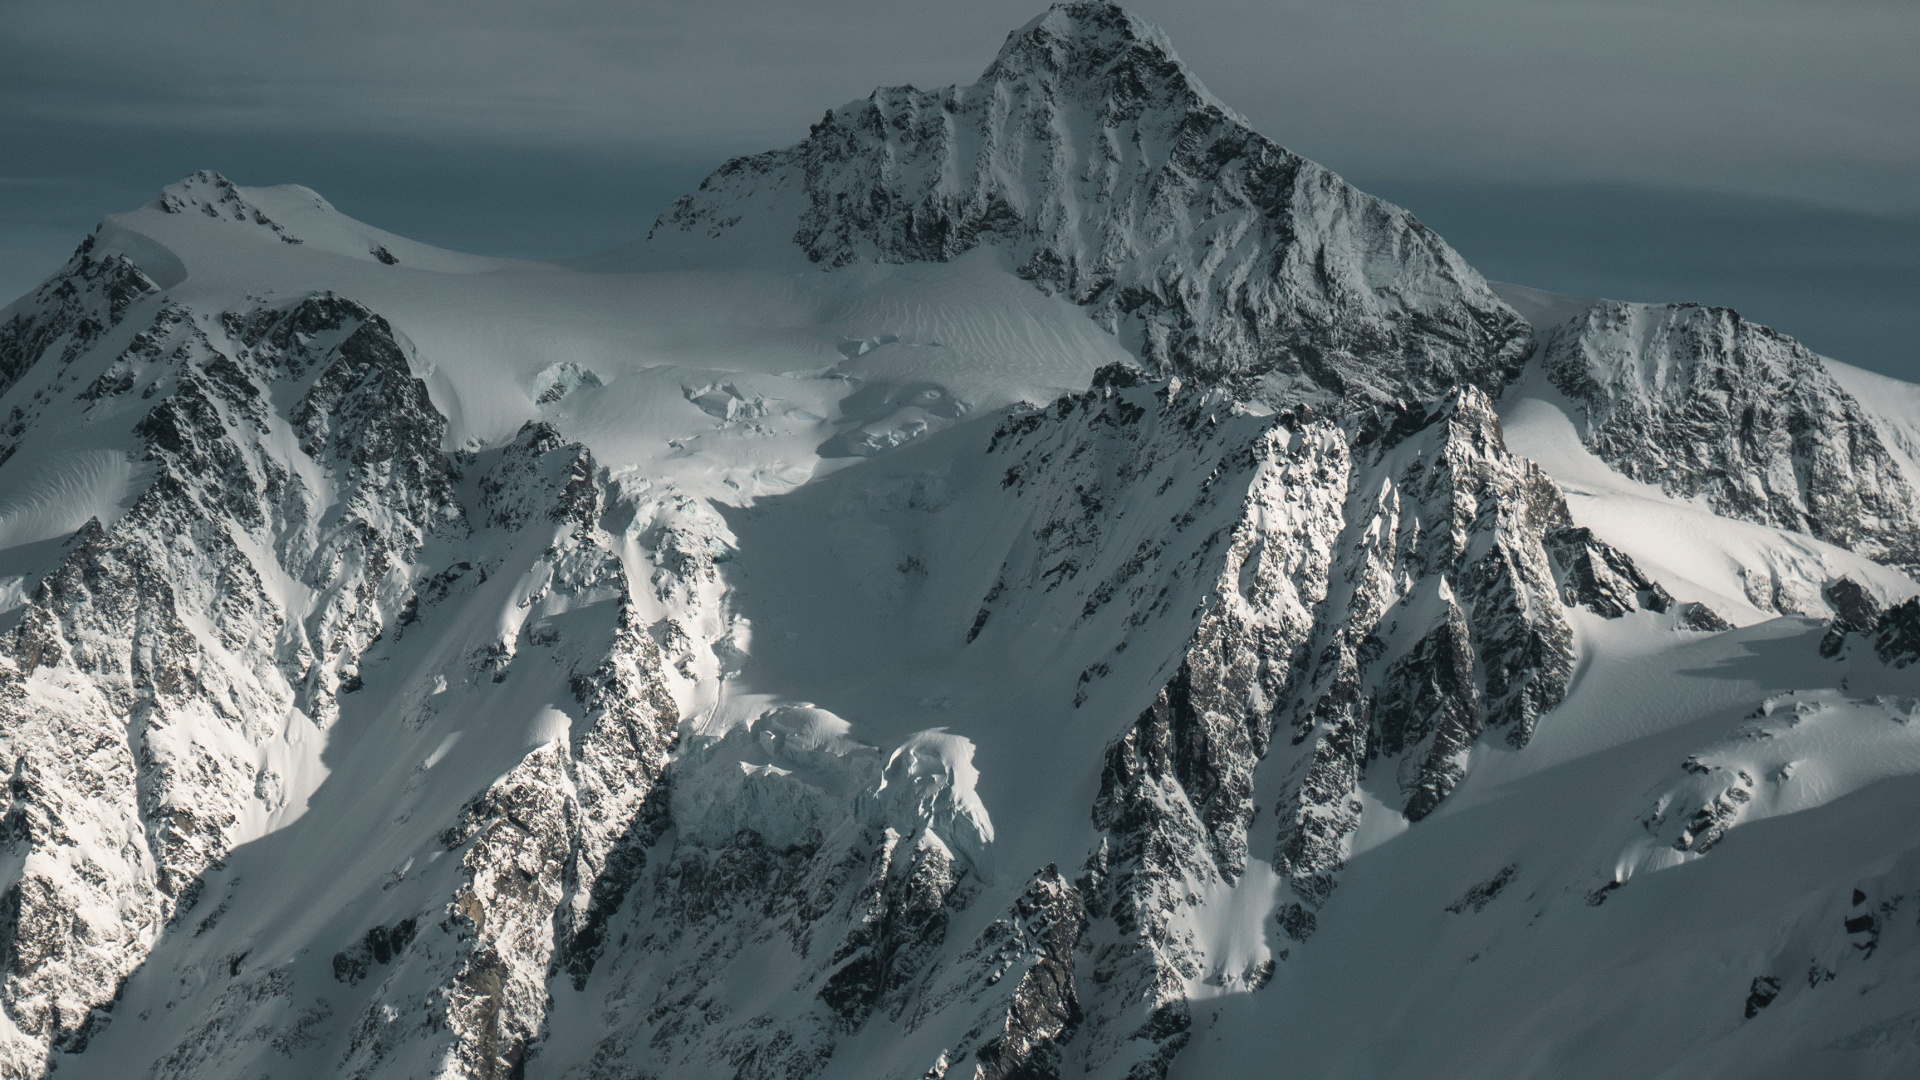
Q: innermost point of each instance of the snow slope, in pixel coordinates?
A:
(1035, 580)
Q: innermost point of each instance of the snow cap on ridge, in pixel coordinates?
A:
(795, 774)
(209, 193)
(930, 783)
(790, 777)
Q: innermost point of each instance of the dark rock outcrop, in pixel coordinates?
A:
(1706, 404)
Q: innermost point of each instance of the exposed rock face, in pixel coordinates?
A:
(293, 477)
(503, 919)
(1386, 596)
(1020, 974)
(1440, 617)
(1704, 403)
(1252, 540)
(1090, 154)
(159, 643)
(1447, 621)
(1600, 577)
(1896, 634)
(1854, 611)
(1603, 579)
(66, 317)
(553, 847)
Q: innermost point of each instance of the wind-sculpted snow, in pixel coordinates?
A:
(795, 775)
(1846, 943)
(1091, 154)
(1772, 765)
(288, 214)
(1704, 403)
(930, 781)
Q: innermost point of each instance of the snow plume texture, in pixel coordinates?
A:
(1035, 580)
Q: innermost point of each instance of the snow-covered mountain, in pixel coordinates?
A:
(1099, 165)
(1035, 580)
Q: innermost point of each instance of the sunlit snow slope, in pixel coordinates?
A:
(1035, 580)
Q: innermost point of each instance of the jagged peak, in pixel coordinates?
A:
(1091, 155)
(1091, 52)
(1104, 51)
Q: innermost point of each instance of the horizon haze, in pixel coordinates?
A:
(1761, 156)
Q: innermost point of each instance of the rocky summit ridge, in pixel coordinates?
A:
(1076, 590)
(1096, 161)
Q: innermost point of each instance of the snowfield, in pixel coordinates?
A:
(1033, 581)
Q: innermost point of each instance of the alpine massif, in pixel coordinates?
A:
(1035, 580)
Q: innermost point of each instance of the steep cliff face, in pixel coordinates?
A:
(1090, 155)
(1151, 509)
(288, 481)
(1448, 621)
(189, 642)
(1381, 599)
(550, 849)
(1706, 404)
(72, 310)
(1227, 518)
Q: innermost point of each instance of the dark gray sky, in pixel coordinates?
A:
(1763, 153)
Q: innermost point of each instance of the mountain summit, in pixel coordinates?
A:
(1033, 581)
(1105, 172)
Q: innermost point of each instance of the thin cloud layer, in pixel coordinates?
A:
(1812, 101)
